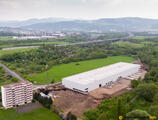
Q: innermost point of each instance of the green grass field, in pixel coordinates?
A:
(5, 52)
(135, 45)
(143, 37)
(60, 71)
(6, 38)
(46, 43)
(38, 114)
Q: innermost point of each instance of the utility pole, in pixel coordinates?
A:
(118, 110)
(47, 73)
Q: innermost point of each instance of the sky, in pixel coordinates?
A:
(78, 9)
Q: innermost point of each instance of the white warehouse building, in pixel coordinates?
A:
(88, 81)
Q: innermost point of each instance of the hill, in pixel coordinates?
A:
(100, 25)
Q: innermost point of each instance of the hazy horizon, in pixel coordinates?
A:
(20, 10)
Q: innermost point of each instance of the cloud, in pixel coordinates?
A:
(88, 9)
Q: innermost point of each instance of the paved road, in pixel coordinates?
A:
(44, 86)
(13, 74)
(10, 72)
(97, 41)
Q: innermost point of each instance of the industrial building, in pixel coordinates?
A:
(16, 94)
(88, 81)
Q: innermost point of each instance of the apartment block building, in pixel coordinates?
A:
(16, 94)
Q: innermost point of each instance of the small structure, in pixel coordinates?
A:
(16, 94)
(88, 81)
(44, 95)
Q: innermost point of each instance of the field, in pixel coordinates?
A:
(4, 52)
(7, 42)
(135, 45)
(60, 71)
(143, 37)
(38, 114)
(46, 43)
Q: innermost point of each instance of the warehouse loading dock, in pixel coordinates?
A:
(68, 100)
(104, 76)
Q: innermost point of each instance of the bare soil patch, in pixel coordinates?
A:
(70, 101)
(117, 88)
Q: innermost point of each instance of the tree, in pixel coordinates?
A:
(153, 110)
(106, 116)
(70, 116)
(155, 99)
(137, 114)
(53, 81)
(146, 91)
(97, 55)
(134, 83)
(152, 75)
(14, 79)
(91, 115)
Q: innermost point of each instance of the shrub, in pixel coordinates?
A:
(146, 91)
(137, 114)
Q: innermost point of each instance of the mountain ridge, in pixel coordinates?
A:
(98, 25)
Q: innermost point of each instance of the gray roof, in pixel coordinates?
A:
(100, 73)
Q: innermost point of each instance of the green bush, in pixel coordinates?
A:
(146, 91)
(137, 114)
(14, 80)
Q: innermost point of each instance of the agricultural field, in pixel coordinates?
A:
(7, 42)
(46, 43)
(58, 72)
(143, 37)
(134, 45)
(38, 114)
(5, 52)
(6, 38)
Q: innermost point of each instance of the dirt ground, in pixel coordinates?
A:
(77, 103)
(116, 88)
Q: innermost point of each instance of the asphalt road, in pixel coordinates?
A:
(97, 41)
(10, 72)
(13, 74)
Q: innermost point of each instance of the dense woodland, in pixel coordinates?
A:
(141, 101)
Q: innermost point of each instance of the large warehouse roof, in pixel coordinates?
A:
(100, 73)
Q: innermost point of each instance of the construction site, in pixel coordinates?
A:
(67, 100)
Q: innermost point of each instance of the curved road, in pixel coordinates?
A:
(97, 41)
(10, 72)
(13, 74)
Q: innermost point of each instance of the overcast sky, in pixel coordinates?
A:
(85, 9)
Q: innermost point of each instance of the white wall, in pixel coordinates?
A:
(93, 85)
(3, 91)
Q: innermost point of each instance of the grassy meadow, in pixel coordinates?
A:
(38, 114)
(60, 71)
(5, 52)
